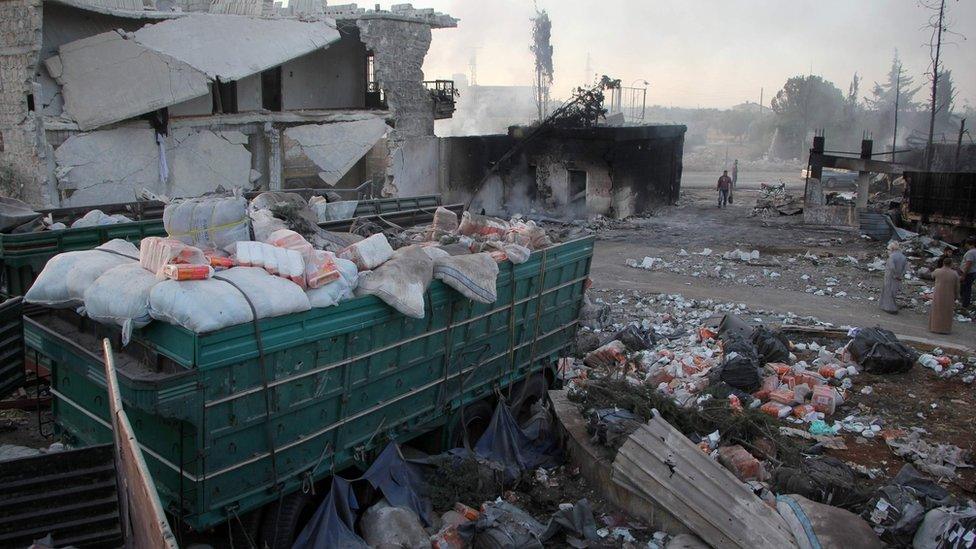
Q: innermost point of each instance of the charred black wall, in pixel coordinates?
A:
(628, 170)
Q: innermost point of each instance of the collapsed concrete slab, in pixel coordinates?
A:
(106, 78)
(232, 47)
(111, 76)
(334, 148)
(113, 165)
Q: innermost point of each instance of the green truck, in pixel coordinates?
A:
(234, 423)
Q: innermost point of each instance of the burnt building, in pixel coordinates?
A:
(567, 173)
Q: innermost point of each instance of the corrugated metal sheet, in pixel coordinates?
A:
(70, 495)
(11, 346)
(661, 465)
(942, 194)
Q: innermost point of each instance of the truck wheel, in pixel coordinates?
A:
(284, 519)
(477, 416)
(531, 390)
(243, 533)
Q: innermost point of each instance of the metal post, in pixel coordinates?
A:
(894, 136)
(864, 178)
(962, 130)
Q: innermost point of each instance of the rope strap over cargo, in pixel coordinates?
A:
(264, 381)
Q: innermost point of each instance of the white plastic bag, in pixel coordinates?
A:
(66, 276)
(338, 290)
(121, 296)
(209, 223)
(97, 218)
(208, 305)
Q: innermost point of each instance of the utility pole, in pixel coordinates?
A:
(962, 130)
(935, 84)
(760, 102)
(894, 136)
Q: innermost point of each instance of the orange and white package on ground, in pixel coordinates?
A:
(187, 272)
(320, 268)
(287, 238)
(482, 225)
(776, 409)
(219, 262)
(155, 252)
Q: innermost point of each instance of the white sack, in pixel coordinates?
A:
(473, 275)
(209, 223)
(338, 290)
(208, 305)
(402, 281)
(66, 276)
(121, 297)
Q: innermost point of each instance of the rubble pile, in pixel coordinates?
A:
(775, 199)
(759, 402)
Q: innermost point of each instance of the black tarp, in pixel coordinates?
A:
(401, 482)
(506, 443)
(880, 351)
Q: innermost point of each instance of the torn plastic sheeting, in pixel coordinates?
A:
(15, 213)
(506, 443)
(503, 525)
(772, 346)
(880, 351)
(334, 522)
(947, 527)
(401, 482)
(575, 522)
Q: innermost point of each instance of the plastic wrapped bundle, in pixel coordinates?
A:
(529, 235)
(156, 252)
(96, 218)
(120, 296)
(482, 225)
(277, 261)
(287, 238)
(67, 276)
(340, 289)
(321, 268)
(208, 305)
(445, 222)
(208, 222)
(368, 253)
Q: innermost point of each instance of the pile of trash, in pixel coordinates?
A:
(775, 199)
(764, 407)
(227, 261)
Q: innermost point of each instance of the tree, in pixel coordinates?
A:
(899, 84)
(806, 103)
(541, 46)
(945, 102)
(852, 101)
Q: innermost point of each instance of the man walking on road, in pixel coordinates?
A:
(724, 188)
(968, 272)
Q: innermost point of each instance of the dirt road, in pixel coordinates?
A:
(784, 280)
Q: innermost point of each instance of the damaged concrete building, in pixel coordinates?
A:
(104, 98)
(563, 172)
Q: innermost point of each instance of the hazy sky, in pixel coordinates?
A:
(713, 53)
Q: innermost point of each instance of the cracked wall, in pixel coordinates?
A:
(113, 165)
(399, 48)
(23, 156)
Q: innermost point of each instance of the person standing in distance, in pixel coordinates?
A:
(724, 186)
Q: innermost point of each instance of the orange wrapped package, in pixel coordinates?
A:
(782, 395)
(802, 410)
(187, 272)
(775, 409)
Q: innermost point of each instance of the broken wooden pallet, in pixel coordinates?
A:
(661, 465)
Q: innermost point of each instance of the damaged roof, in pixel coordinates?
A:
(114, 76)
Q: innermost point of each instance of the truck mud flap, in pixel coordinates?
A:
(12, 372)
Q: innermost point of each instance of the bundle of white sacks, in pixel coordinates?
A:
(235, 281)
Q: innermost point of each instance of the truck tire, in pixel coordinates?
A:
(477, 416)
(529, 391)
(284, 519)
(243, 533)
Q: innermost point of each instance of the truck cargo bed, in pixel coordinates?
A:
(225, 427)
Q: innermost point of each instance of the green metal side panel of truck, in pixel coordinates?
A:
(341, 381)
(24, 255)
